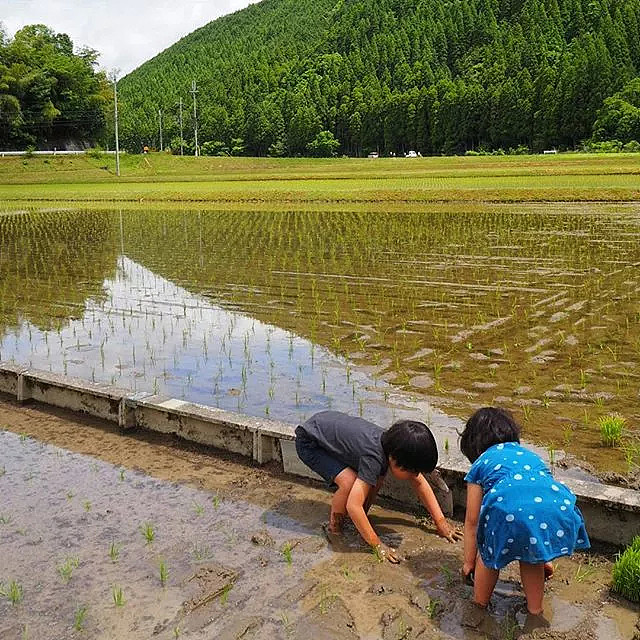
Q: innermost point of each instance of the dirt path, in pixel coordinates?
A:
(206, 508)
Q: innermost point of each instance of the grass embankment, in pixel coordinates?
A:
(165, 178)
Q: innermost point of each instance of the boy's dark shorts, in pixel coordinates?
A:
(317, 458)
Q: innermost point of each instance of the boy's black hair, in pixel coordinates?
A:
(486, 427)
(412, 446)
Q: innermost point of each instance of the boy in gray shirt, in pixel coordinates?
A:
(355, 454)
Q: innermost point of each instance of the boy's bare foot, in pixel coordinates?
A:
(336, 523)
(548, 570)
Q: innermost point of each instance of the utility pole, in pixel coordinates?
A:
(194, 90)
(160, 125)
(115, 103)
(181, 135)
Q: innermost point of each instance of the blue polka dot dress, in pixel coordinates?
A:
(525, 515)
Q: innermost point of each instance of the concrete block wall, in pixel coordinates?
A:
(612, 513)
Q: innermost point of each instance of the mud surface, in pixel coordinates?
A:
(243, 549)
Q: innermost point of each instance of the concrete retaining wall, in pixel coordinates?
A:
(612, 513)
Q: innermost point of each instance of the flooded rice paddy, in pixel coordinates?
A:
(242, 552)
(534, 307)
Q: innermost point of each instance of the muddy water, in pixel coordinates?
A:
(222, 543)
(64, 509)
(533, 307)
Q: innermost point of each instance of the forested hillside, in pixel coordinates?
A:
(50, 94)
(438, 76)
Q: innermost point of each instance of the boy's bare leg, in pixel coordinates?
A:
(484, 582)
(344, 480)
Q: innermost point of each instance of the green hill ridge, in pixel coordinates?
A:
(295, 77)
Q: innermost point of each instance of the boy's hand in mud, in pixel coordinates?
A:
(445, 530)
(383, 552)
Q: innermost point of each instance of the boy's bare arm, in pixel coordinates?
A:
(356, 510)
(428, 499)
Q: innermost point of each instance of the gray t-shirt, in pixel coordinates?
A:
(353, 441)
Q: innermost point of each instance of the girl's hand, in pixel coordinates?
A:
(445, 530)
(467, 572)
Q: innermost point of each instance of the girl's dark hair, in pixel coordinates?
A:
(412, 446)
(486, 427)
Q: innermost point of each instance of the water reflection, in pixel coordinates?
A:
(146, 333)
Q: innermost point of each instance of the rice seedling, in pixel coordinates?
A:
(5, 519)
(65, 570)
(114, 551)
(626, 572)
(198, 508)
(611, 429)
(201, 552)
(448, 575)
(433, 608)
(148, 532)
(79, 618)
(286, 553)
(583, 572)
(117, 595)
(87, 505)
(551, 452)
(224, 594)
(13, 592)
(216, 500)
(163, 572)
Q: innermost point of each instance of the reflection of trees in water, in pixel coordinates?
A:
(51, 263)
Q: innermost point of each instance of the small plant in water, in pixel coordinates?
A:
(148, 532)
(164, 573)
(448, 575)
(13, 591)
(552, 454)
(433, 607)
(87, 505)
(446, 445)
(626, 572)
(286, 553)
(611, 428)
(80, 618)
(118, 595)
(114, 551)
(224, 595)
(198, 508)
(65, 570)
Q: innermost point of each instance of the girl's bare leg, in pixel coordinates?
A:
(532, 578)
(484, 582)
(344, 480)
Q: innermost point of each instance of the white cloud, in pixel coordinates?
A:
(126, 33)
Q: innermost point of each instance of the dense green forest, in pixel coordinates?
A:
(438, 76)
(50, 94)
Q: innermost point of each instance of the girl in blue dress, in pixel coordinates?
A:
(515, 510)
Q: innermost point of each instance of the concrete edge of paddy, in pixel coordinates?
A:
(612, 513)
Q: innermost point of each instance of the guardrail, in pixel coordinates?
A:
(55, 152)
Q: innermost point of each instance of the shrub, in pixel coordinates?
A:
(626, 572)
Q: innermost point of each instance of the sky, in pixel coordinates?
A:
(126, 33)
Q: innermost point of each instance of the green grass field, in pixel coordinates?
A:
(166, 178)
